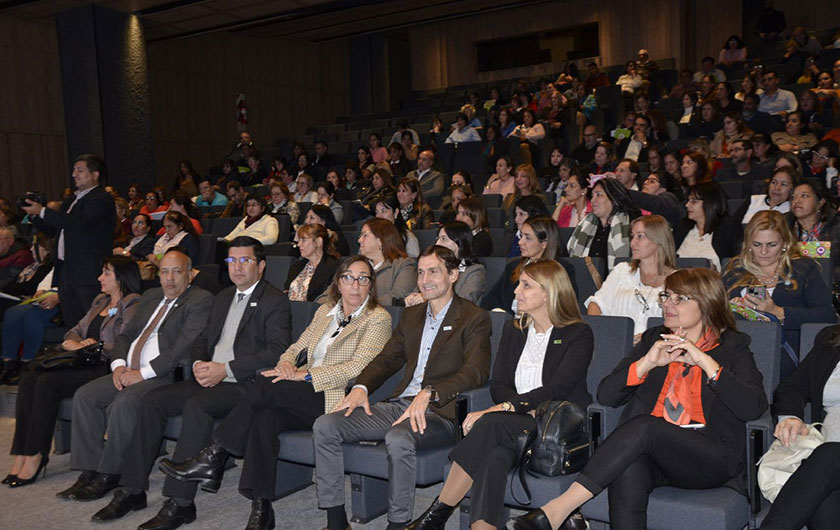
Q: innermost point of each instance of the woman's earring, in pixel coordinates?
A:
(784, 249)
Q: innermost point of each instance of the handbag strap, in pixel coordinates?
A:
(521, 468)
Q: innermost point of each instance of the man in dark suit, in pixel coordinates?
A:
(742, 167)
(322, 157)
(84, 227)
(757, 120)
(249, 328)
(152, 344)
(431, 181)
(444, 346)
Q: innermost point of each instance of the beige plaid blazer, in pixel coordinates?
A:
(350, 352)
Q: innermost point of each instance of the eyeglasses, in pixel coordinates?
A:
(675, 299)
(819, 155)
(151, 198)
(243, 259)
(642, 300)
(348, 279)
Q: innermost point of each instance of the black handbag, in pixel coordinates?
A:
(558, 446)
(61, 359)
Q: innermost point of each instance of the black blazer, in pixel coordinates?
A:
(736, 398)
(145, 247)
(726, 239)
(482, 244)
(806, 384)
(665, 204)
(501, 294)
(264, 332)
(321, 279)
(621, 149)
(567, 359)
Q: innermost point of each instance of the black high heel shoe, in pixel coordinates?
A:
(18, 482)
(8, 479)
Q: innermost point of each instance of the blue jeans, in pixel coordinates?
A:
(25, 324)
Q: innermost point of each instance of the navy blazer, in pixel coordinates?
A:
(566, 362)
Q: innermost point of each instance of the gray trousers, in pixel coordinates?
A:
(99, 405)
(331, 430)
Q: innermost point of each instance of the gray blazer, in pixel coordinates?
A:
(396, 279)
(433, 185)
(472, 283)
(178, 331)
(112, 325)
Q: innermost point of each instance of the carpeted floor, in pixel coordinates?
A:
(36, 506)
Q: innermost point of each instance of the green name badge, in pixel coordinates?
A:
(558, 341)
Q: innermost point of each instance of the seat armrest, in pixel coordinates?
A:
(476, 399)
(759, 435)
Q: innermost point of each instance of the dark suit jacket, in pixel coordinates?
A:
(263, 334)
(325, 161)
(756, 173)
(736, 398)
(433, 184)
(501, 294)
(320, 280)
(806, 384)
(726, 239)
(567, 359)
(665, 204)
(459, 359)
(621, 149)
(145, 247)
(176, 334)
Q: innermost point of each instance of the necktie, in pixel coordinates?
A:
(239, 297)
(144, 337)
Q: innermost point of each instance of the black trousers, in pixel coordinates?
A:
(487, 454)
(199, 407)
(646, 453)
(253, 426)
(811, 495)
(36, 410)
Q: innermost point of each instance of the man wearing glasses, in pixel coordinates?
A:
(741, 152)
(249, 328)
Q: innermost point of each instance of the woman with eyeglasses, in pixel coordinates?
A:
(708, 231)
(256, 223)
(825, 161)
(395, 273)
(631, 288)
(345, 334)
(143, 241)
(688, 389)
(178, 231)
(771, 276)
(153, 204)
(311, 274)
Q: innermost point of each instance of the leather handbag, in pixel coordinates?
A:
(61, 359)
(558, 446)
(780, 462)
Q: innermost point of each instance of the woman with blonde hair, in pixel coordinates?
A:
(631, 288)
(311, 274)
(544, 355)
(525, 183)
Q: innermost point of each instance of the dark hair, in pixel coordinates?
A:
(248, 241)
(461, 234)
(148, 219)
(821, 193)
(322, 142)
(182, 198)
(702, 166)
(733, 37)
(474, 207)
(753, 96)
(618, 196)
(328, 187)
(393, 246)
(233, 184)
(94, 163)
(414, 186)
(397, 146)
(126, 272)
(462, 116)
(707, 59)
(466, 174)
(714, 204)
(325, 213)
(442, 253)
(608, 147)
(532, 205)
(692, 96)
(634, 166)
(259, 199)
(368, 156)
(181, 219)
(333, 292)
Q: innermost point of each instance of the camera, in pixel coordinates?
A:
(37, 196)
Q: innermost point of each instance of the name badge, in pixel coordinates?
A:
(253, 304)
(558, 341)
(447, 328)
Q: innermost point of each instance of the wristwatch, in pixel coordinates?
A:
(433, 394)
(507, 406)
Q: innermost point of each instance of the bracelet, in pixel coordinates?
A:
(713, 379)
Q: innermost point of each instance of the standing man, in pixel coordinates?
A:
(158, 338)
(84, 227)
(444, 346)
(431, 181)
(249, 328)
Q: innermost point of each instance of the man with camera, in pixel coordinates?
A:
(84, 228)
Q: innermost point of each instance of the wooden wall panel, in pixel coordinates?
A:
(812, 14)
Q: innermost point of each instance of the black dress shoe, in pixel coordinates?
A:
(122, 503)
(8, 479)
(207, 468)
(170, 517)
(97, 489)
(533, 520)
(432, 519)
(18, 482)
(262, 515)
(84, 479)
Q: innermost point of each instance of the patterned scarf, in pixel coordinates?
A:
(681, 393)
(618, 240)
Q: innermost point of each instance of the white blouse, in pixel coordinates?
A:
(758, 203)
(696, 246)
(266, 230)
(623, 294)
(530, 367)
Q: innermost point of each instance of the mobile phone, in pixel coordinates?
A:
(758, 291)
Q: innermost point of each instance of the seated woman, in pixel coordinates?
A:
(525, 208)
(256, 223)
(574, 205)
(326, 196)
(388, 208)
(605, 233)
(182, 203)
(472, 213)
(28, 279)
(812, 219)
(604, 160)
(135, 197)
(697, 362)
(463, 131)
(365, 165)
(337, 180)
(542, 356)
(142, 243)
(557, 182)
(153, 204)
(734, 128)
(734, 52)
(414, 212)
(282, 203)
(501, 182)
(540, 241)
(794, 138)
(377, 152)
(526, 185)
(472, 279)
(345, 334)
(630, 81)
(303, 189)
(529, 133)
(770, 275)
(381, 182)
(311, 275)
(321, 215)
(631, 288)
(811, 495)
(777, 198)
(179, 232)
(494, 146)
(708, 231)
(825, 158)
(395, 272)
(457, 194)
(41, 392)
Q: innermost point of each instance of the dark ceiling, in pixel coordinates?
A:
(315, 20)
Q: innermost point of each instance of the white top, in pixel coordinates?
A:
(529, 370)
(266, 230)
(46, 283)
(468, 134)
(758, 203)
(629, 83)
(831, 403)
(687, 113)
(309, 196)
(696, 246)
(618, 297)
